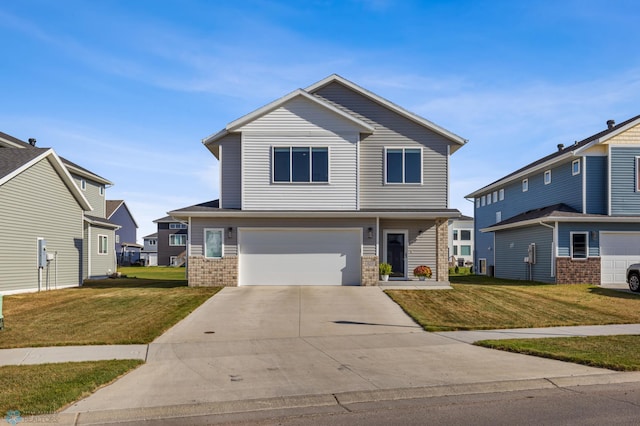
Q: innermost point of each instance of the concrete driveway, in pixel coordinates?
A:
(259, 343)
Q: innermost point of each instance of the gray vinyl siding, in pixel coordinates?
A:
(92, 194)
(597, 179)
(594, 229)
(37, 203)
(100, 265)
(512, 247)
(422, 242)
(231, 244)
(230, 173)
(625, 200)
(299, 123)
(393, 130)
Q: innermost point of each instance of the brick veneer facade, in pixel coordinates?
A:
(442, 250)
(569, 271)
(205, 272)
(370, 272)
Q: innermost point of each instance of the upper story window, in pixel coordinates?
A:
(465, 235)
(484, 198)
(579, 245)
(575, 167)
(498, 217)
(525, 185)
(178, 239)
(495, 196)
(152, 242)
(501, 194)
(83, 184)
(103, 244)
(455, 234)
(547, 177)
(177, 226)
(300, 164)
(477, 202)
(403, 165)
(489, 199)
(101, 190)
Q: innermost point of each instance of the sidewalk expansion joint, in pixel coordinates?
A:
(344, 407)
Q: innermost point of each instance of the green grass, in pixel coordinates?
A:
(154, 272)
(620, 353)
(110, 311)
(494, 304)
(46, 388)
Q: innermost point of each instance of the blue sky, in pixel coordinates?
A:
(128, 88)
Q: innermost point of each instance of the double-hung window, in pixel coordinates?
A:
(103, 244)
(300, 164)
(403, 165)
(178, 239)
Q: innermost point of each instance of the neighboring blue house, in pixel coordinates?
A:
(570, 217)
(126, 246)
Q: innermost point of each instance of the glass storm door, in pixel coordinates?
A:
(396, 252)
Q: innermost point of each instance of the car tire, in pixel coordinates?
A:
(634, 282)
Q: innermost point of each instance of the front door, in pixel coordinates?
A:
(395, 245)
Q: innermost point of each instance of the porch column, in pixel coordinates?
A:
(442, 250)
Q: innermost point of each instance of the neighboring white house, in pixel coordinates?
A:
(461, 246)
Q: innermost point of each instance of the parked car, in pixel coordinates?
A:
(633, 277)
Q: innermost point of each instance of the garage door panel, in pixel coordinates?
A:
(617, 252)
(300, 257)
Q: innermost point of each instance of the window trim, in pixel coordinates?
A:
(204, 242)
(586, 242)
(574, 163)
(525, 185)
(178, 245)
(547, 173)
(403, 148)
(638, 174)
(291, 181)
(101, 238)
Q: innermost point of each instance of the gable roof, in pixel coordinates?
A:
(14, 161)
(113, 205)
(561, 154)
(308, 94)
(335, 78)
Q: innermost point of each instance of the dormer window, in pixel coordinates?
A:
(300, 164)
(403, 165)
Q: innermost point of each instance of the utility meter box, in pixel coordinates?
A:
(42, 253)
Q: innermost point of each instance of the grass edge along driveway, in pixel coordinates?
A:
(488, 303)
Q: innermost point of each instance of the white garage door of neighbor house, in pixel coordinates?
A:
(617, 251)
(299, 257)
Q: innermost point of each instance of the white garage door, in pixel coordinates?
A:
(617, 251)
(299, 256)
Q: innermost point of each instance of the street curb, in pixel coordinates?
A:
(337, 400)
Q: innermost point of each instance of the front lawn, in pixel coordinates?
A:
(496, 304)
(111, 311)
(620, 353)
(46, 388)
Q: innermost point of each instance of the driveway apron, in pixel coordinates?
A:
(250, 343)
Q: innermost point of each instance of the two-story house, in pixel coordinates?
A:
(319, 186)
(461, 245)
(570, 217)
(149, 253)
(126, 246)
(56, 233)
(171, 241)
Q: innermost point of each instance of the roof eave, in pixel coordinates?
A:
(445, 214)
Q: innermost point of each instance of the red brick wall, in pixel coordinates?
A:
(585, 271)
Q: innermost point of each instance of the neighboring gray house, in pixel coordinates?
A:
(127, 249)
(461, 245)
(319, 186)
(572, 216)
(149, 253)
(45, 197)
(171, 241)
